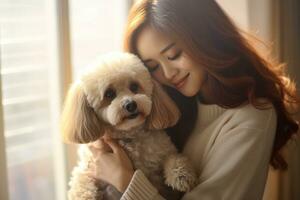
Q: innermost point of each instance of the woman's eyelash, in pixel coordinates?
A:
(152, 69)
(176, 56)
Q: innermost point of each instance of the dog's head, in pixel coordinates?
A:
(117, 92)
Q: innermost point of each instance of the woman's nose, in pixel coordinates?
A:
(169, 72)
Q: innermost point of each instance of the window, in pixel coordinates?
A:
(31, 87)
(96, 28)
(26, 98)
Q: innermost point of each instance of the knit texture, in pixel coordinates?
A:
(140, 188)
(231, 150)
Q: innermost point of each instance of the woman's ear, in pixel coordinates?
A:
(164, 111)
(79, 122)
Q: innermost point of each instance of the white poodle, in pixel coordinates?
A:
(117, 96)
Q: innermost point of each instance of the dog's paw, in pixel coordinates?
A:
(179, 174)
(181, 180)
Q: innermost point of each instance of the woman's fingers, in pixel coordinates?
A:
(99, 147)
(113, 145)
(95, 151)
(104, 145)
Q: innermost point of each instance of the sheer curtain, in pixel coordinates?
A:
(286, 29)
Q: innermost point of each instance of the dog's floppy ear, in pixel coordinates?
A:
(164, 111)
(79, 122)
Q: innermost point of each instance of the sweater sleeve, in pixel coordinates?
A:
(140, 188)
(235, 167)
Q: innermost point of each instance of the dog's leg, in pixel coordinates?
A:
(83, 187)
(179, 173)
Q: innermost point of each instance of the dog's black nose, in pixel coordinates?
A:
(130, 106)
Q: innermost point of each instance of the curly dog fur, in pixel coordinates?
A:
(117, 96)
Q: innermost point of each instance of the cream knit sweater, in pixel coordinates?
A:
(230, 149)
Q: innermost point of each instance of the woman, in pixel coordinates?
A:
(235, 104)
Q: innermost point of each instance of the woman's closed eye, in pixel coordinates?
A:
(177, 55)
(153, 68)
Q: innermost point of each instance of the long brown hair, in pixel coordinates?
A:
(237, 73)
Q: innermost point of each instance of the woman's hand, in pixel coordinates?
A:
(110, 163)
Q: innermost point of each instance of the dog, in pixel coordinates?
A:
(117, 96)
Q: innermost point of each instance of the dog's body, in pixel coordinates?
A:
(150, 151)
(119, 98)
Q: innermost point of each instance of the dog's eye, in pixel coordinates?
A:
(110, 93)
(134, 87)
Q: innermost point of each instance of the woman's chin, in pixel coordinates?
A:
(188, 92)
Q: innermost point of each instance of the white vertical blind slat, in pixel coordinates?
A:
(3, 171)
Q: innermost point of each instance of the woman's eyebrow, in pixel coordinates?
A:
(167, 48)
(162, 51)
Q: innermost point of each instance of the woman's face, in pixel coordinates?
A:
(168, 63)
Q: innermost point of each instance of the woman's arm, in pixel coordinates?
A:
(235, 166)
(234, 170)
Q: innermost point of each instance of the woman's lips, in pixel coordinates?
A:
(181, 82)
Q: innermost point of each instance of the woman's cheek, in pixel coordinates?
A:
(158, 75)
